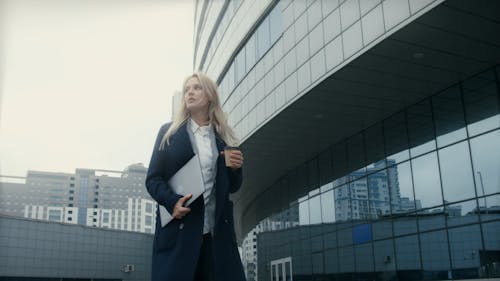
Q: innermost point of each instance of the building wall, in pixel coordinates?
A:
(415, 196)
(303, 39)
(55, 250)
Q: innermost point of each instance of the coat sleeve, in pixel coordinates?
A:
(235, 179)
(156, 184)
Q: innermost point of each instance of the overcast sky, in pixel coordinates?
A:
(88, 83)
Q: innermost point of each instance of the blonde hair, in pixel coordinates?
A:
(216, 115)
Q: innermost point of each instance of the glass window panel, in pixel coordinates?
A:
(298, 182)
(317, 263)
(303, 211)
(407, 253)
(491, 258)
(426, 180)
(275, 23)
(315, 210)
(456, 172)
(344, 237)
(313, 175)
(356, 154)
(374, 147)
(465, 244)
(420, 128)
(489, 207)
(360, 204)
(342, 203)
(401, 188)
(241, 71)
(340, 167)
(329, 236)
(405, 225)
(396, 139)
(449, 116)
(250, 52)
(327, 207)
(481, 103)
(230, 77)
(346, 259)
(435, 256)
(384, 258)
(431, 219)
(263, 38)
(331, 261)
(486, 162)
(382, 229)
(325, 167)
(364, 257)
(378, 193)
(462, 213)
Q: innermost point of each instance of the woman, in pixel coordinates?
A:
(199, 243)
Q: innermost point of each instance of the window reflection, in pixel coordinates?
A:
(396, 139)
(426, 180)
(481, 103)
(462, 213)
(420, 128)
(449, 116)
(486, 161)
(456, 172)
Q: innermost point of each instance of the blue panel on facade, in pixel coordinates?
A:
(362, 233)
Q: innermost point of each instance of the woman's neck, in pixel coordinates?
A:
(200, 118)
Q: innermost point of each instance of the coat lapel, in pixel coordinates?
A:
(179, 150)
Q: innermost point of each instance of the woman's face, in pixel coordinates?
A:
(195, 97)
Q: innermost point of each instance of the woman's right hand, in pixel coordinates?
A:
(179, 210)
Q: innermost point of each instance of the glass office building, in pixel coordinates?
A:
(371, 133)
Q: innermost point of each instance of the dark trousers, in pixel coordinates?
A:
(205, 266)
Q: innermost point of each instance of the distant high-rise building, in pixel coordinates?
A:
(100, 198)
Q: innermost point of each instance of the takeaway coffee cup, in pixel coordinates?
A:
(227, 154)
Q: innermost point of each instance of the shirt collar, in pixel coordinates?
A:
(197, 128)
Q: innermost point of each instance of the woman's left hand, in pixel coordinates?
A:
(235, 159)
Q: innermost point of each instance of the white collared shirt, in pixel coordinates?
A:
(204, 145)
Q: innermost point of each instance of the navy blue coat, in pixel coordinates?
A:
(176, 246)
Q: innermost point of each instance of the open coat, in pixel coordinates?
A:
(176, 246)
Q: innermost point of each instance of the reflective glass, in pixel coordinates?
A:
(275, 23)
(303, 211)
(420, 128)
(431, 219)
(342, 203)
(313, 173)
(263, 38)
(331, 261)
(250, 52)
(346, 259)
(426, 180)
(339, 155)
(486, 162)
(396, 139)
(462, 213)
(435, 256)
(364, 257)
(490, 260)
(481, 103)
(356, 155)
(315, 210)
(449, 116)
(385, 258)
(327, 207)
(464, 245)
(382, 229)
(489, 207)
(456, 172)
(325, 167)
(378, 194)
(374, 147)
(401, 188)
(407, 253)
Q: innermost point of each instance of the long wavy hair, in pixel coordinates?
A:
(216, 115)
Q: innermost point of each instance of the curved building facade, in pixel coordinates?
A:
(371, 133)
